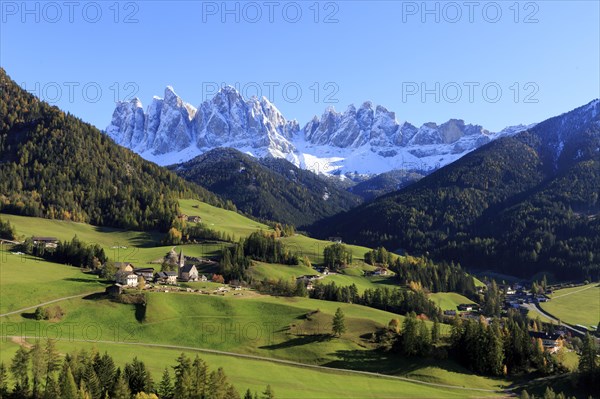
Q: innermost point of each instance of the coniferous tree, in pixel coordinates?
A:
(105, 369)
(20, 371)
(165, 388)
(589, 367)
(268, 393)
(3, 381)
(339, 325)
(183, 387)
(138, 377)
(38, 369)
(67, 385)
(121, 389)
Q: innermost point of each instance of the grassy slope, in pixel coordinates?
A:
(27, 281)
(264, 326)
(256, 374)
(449, 300)
(577, 305)
(220, 219)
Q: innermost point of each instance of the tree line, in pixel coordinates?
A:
(41, 373)
(74, 252)
(395, 300)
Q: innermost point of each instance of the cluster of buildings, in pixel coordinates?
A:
(516, 296)
(129, 276)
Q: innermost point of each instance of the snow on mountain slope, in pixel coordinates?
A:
(367, 140)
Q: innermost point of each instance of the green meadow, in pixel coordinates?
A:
(448, 300)
(576, 305)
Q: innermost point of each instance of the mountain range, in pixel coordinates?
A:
(364, 140)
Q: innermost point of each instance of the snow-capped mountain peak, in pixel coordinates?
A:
(367, 139)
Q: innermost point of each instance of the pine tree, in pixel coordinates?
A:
(217, 384)
(137, 376)
(52, 358)
(3, 381)
(51, 390)
(248, 394)
(105, 369)
(19, 370)
(589, 368)
(165, 388)
(68, 388)
(268, 393)
(199, 377)
(38, 368)
(121, 389)
(339, 326)
(183, 378)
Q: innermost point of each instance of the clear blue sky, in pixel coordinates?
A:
(386, 52)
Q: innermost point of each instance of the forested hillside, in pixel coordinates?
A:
(54, 165)
(270, 189)
(519, 205)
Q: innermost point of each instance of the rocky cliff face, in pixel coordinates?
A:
(368, 139)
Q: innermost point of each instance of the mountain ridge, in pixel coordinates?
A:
(367, 140)
(520, 204)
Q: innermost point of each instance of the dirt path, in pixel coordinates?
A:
(65, 298)
(574, 292)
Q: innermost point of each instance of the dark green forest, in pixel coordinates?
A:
(513, 206)
(269, 189)
(56, 166)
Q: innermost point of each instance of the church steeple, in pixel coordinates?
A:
(181, 263)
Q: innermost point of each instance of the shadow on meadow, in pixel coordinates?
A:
(299, 341)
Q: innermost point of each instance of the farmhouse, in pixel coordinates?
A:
(203, 278)
(449, 312)
(47, 242)
(465, 307)
(132, 280)
(380, 271)
(146, 272)
(166, 277)
(194, 219)
(551, 342)
(124, 269)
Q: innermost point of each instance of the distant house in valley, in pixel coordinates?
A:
(132, 280)
(124, 269)
(114, 290)
(146, 272)
(465, 307)
(194, 219)
(551, 342)
(166, 277)
(46, 242)
(449, 312)
(188, 273)
(380, 271)
(337, 240)
(203, 278)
